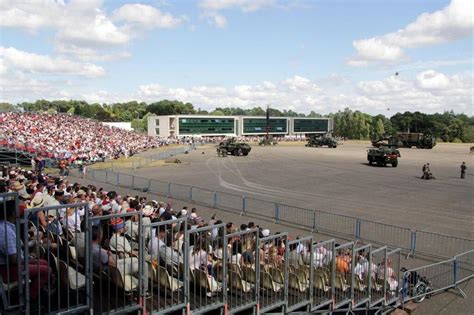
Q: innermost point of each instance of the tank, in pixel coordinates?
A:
(319, 141)
(383, 155)
(232, 147)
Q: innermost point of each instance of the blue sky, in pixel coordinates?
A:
(300, 55)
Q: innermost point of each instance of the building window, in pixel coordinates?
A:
(157, 130)
(157, 122)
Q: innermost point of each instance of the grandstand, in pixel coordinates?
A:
(89, 249)
(78, 248)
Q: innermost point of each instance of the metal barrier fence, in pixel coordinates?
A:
(361, 274)
(273, 272)
(55, 277)
(342, 266)
(205, 279)
(166, 264)
(241, 269)
(464, 266)
(392, 268)
(161, 156)
(300, 283)
(441, 245)
(120, 274)
(324, 276)
(378, 275)
(350, 228)
(9, 271)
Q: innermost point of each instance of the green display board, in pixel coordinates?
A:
(206, 126)
(258, 125)
(310, 125)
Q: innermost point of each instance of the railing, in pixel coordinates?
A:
(441, 276)
(142, 268)
(346, 227)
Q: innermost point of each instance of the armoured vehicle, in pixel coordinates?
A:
(319, 141)
(419, 140)
(234, 148)
(385, 140)
(383, 155)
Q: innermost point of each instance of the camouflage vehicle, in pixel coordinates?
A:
(419, 140)
(319, 141)
(385, 140)
(234, 148)
(383, 155)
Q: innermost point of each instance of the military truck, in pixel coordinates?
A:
(419, 140)
(232, 147)
(383, 155)
(319, 141)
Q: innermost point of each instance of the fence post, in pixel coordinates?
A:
(357, 229)
(148, 185)
(413, 244)
(214, 197)
(117, 179)
(133, 181)
(93, 174)
(106, 176)
(455, 271)
(244, 205)
(314, 222)
(277, 213)
(169, 190)
(191, 193)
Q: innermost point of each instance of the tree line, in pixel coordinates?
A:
(447, 126)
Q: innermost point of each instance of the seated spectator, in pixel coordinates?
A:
(118, 243)
(38, 270)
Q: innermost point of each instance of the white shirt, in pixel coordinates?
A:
(154, 245)
(72, 222)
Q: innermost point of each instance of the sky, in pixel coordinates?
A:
(379, 57)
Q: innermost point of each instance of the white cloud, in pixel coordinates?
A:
(428, 91)
(145, 16)
(84, 24)
(244, 5)
(34, 63)
(211, 8)
(451, 23)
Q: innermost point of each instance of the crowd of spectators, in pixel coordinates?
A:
(164, 246)
(62, 136)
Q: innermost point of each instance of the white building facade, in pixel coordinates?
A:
(205, 126)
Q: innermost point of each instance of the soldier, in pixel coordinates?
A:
(425, 170)
(463, 170)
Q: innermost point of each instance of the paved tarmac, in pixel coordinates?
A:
(340, 181)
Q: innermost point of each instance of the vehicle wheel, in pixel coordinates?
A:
(236, 152)
(394, 163)
(370, 162)
(245, 154)
(334, 146)
(419, 289)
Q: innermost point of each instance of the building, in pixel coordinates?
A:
(199, 125)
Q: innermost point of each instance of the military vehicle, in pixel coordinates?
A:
(383, 155)
(232, 147)
(319, 141)
(385, 140)
(419, 140)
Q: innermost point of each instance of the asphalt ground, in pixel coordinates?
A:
(340, 181)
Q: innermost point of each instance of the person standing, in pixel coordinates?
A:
(463, 170)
